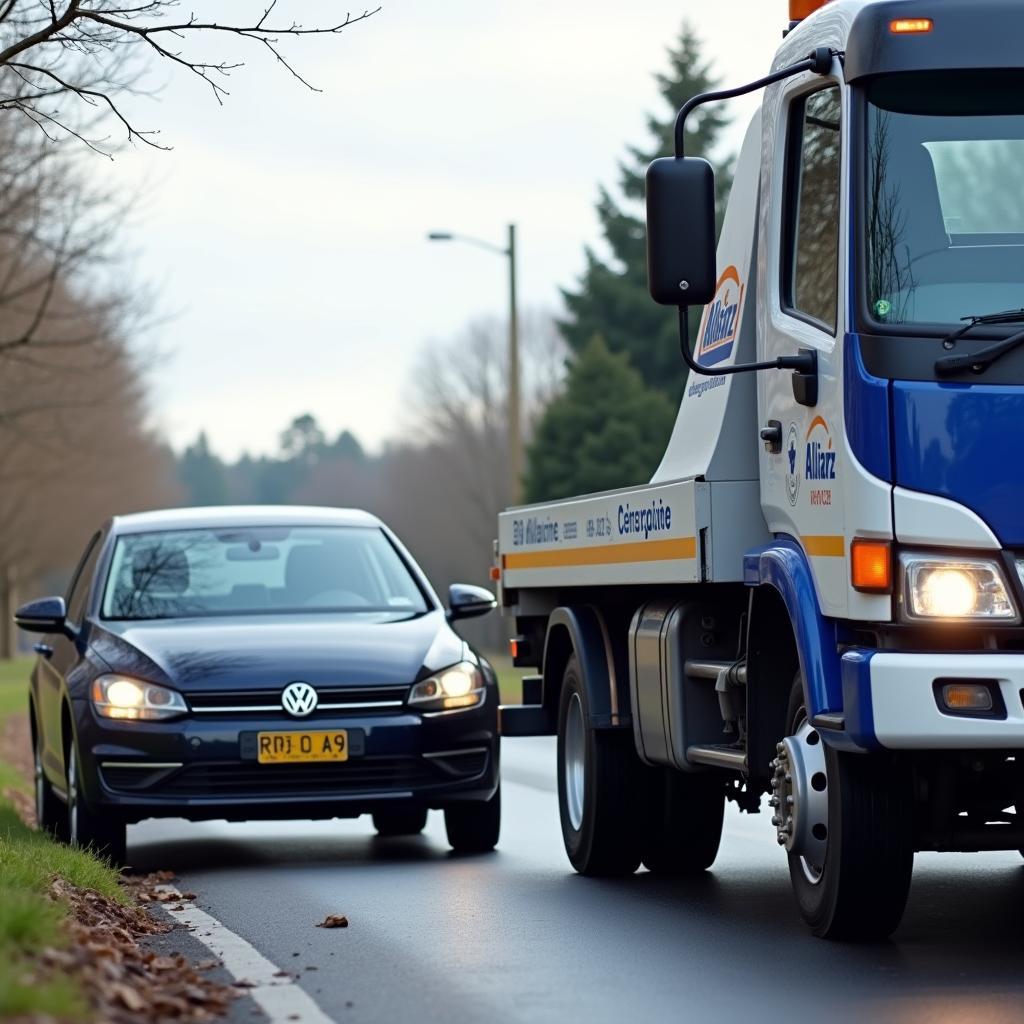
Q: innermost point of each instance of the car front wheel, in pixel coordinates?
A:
(51, 814)
(400, 821)
(86, 826)
(474, 827)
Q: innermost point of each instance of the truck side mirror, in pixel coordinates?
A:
(681, 257)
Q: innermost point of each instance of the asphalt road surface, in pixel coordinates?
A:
(517, 936)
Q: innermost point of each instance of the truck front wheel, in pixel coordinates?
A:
(845, 820)
(597, 799)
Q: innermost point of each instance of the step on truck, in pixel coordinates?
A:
(815, 606)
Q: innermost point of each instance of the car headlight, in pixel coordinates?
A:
(955, 588)
(456, 688)
(121, 697)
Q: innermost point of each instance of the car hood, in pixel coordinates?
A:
(262, 651)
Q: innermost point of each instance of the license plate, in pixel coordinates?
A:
(296, 747)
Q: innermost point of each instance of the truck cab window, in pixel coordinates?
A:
(810, 278)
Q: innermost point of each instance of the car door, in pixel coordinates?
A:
(59, 654)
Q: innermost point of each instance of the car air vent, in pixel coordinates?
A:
(329, 698)
(214, 781)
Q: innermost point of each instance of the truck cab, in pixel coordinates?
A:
(815, 607)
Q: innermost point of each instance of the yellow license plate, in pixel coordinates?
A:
(293, 747)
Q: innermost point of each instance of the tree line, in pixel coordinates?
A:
(602, 381)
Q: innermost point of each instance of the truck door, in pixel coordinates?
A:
(802, 287)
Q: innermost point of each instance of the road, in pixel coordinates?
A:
(516, 936)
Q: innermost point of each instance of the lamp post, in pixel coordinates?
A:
(515, 444)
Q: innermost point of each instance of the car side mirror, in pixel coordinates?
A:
(46, 615)
(681, 257)
(467, 602)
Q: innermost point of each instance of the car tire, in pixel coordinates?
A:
(474, 826)
(51, 813)
(87, 827)
(598, 775)
(400, 821)
(861, 889)
(684, 821)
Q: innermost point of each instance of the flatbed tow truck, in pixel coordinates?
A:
(818, 598)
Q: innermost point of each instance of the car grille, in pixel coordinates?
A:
(364, 699)
(226, 780)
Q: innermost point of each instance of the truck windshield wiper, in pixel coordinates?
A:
(980, 361)
(1007, 316)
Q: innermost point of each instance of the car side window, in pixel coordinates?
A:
(78, 592)
(810, 258)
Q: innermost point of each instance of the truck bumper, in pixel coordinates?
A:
(889, 701)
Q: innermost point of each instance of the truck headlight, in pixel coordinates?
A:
(456, 688)
(955, 588)
(125, 698)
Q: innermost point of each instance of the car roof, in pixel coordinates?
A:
(221, 516)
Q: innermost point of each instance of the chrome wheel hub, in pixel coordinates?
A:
(800, 799)
(573, 762)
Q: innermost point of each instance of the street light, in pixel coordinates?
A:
(514, 426)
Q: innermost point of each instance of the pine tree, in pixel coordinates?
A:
(612, 298)
(202, 474)
(579, 447)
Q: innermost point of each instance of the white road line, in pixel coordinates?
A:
(275, 992)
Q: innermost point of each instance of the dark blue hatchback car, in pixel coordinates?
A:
(256, 663)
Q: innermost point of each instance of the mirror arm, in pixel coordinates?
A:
(820, 62)
(804, 362)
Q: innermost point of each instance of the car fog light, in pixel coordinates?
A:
(456, 688)
(135, 700)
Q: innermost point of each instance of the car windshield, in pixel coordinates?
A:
(945, 196)
(262, 570)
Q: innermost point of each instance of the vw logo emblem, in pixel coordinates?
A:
(299, 699)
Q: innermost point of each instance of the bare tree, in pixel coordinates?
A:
(62, 62)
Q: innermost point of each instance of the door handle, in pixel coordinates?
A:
(772, 437)
(44, 649)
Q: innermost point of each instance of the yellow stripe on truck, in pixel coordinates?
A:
(606, 554)
(824, 546)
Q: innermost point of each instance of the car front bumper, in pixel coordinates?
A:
(194, 767)
(889, 700)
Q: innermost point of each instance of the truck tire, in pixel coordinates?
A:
(598, 798)
(860, 889)
(684, 821)
(474, 826)
(400, 821)
(87, 826)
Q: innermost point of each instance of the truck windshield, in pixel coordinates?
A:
(944, 196)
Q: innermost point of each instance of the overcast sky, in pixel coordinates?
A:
(284, 234)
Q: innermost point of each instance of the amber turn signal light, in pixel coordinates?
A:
(871, 566)
(910, 26)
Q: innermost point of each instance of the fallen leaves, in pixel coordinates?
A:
(126, 983)
(334, 921)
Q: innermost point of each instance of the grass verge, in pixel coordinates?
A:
(29, 920)
(14, 685)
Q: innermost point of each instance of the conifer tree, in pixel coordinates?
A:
(579, 447)
(612, 298)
